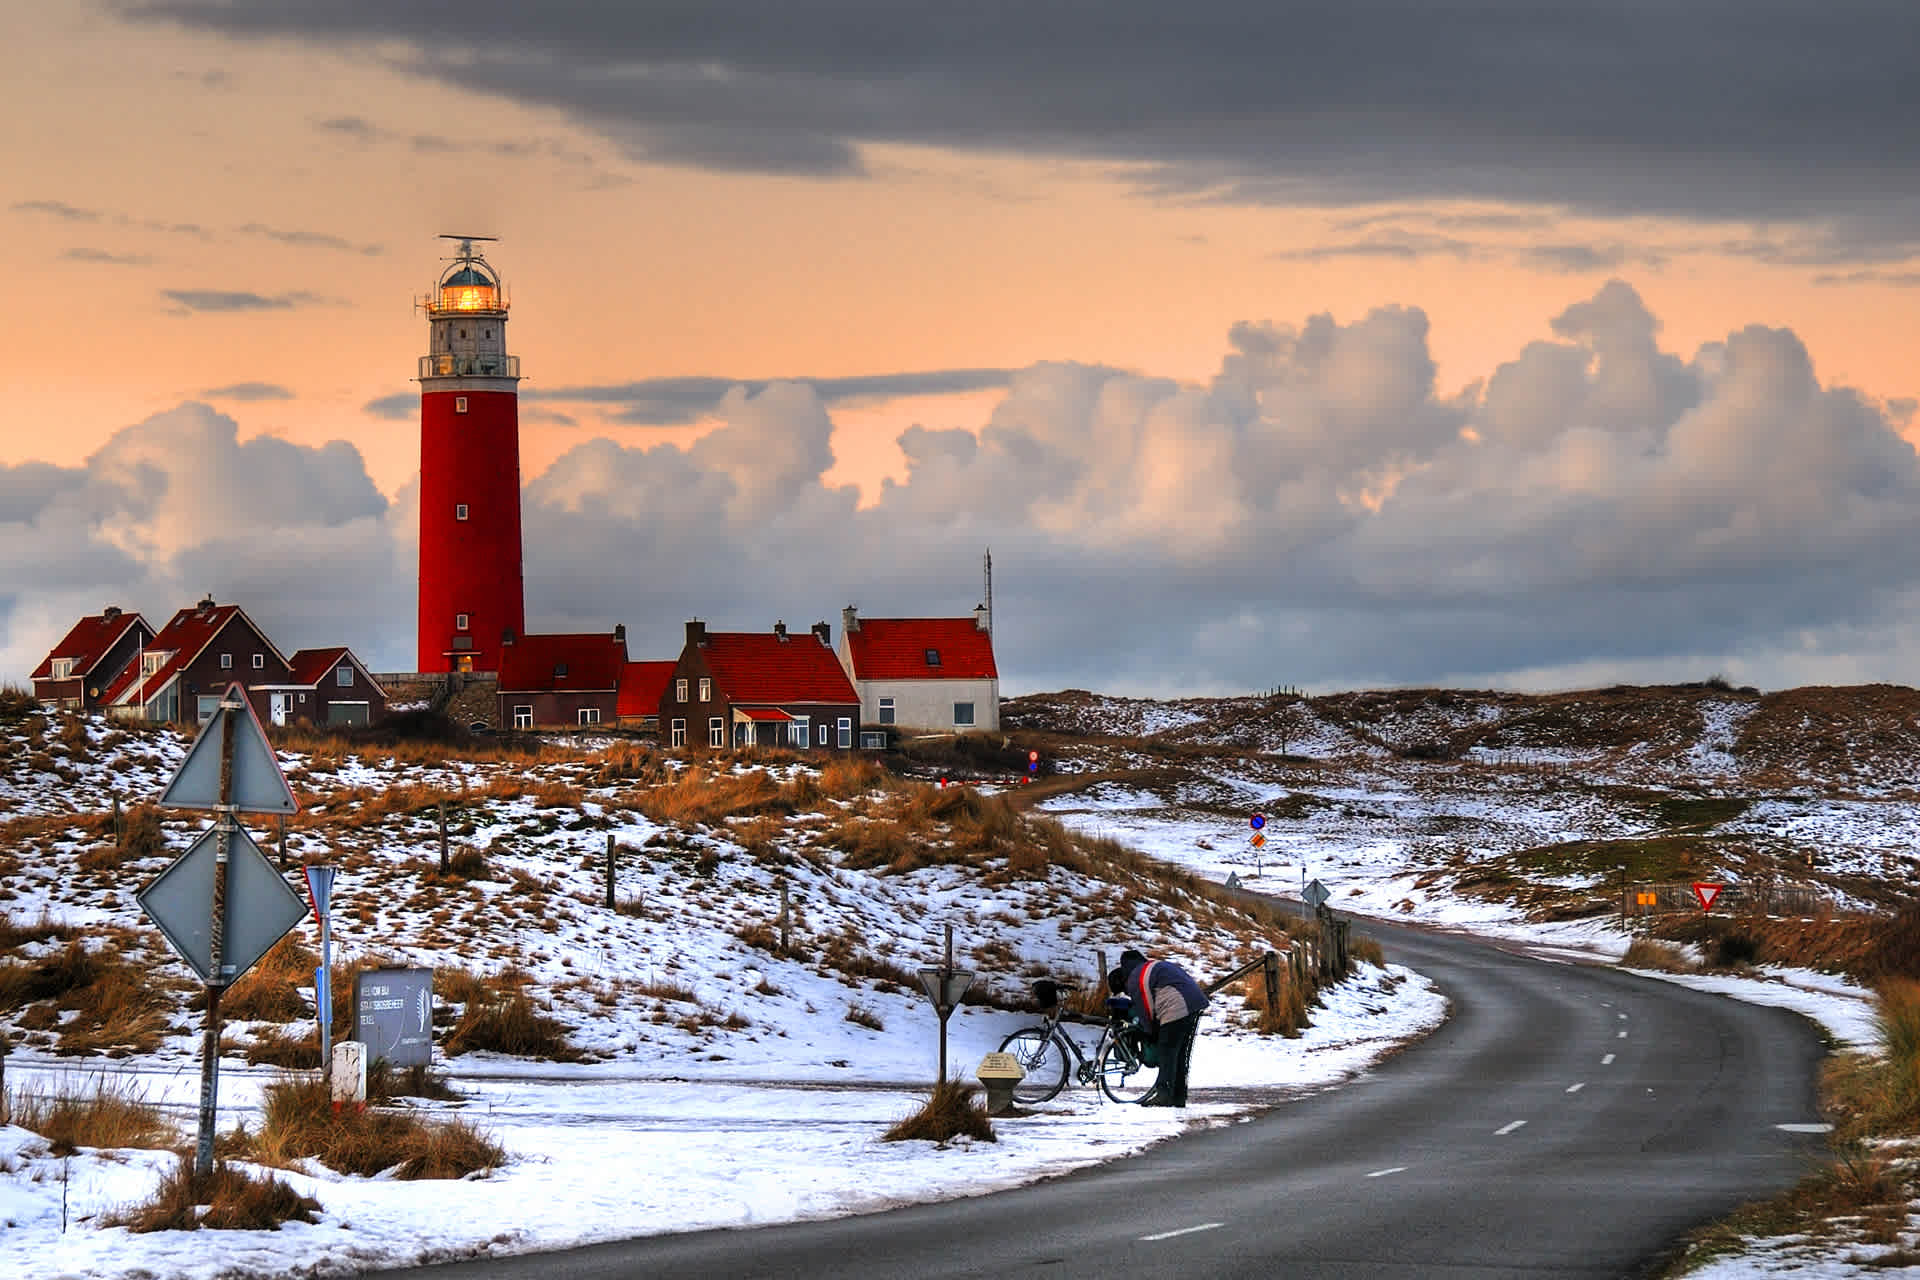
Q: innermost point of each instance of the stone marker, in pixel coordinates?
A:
(999, 1072)
(347, 1076)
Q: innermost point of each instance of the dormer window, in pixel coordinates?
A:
(559, 671)
(63, 668)
(152, 662)
(933, 657)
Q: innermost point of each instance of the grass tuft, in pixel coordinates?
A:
(1650, 953)
(112, 1114)
(226, 1199)
(301, 1123)
(950, 1112)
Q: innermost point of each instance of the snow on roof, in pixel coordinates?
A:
(762, 666)
(921, 649)
(592, 662)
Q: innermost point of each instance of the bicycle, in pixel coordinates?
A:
(1117, 1063)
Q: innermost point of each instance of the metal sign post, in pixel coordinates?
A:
(229, 768)
(320, 888)
(945, 986)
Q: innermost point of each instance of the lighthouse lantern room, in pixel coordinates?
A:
(471, 594)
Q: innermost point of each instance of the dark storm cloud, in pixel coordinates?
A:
(1749, 110)
(397, 407)
(248, 391)
(104, 258)
(238, 300)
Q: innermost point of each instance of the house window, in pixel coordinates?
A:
(459, 511)
(303, 697)
(259, 661)
(716, 732)
(706, 690)
(226, 662)
(846, 732)
(589, 715)
(559, 671)
(343, 676)
(886, 711)
(63, 668)
(523, 716)
(872, 740)
(151, 662)
(209, 706)
(679, 690)
(680, 727)
(460, 402)
(933, 657)
(962, 715)
(801, 731)
(461, 621)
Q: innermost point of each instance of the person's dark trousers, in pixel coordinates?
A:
(1173, 1042)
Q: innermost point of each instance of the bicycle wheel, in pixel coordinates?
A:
(1044, 1061)
(1123, 1077)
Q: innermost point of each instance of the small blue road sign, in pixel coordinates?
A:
(1257, 821)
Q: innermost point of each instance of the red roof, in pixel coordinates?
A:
(759, 666)
(643, 685)
(761, 713)
(310, 666)
(593, 663)
(185, 635)
(87, 643)
(896, 649)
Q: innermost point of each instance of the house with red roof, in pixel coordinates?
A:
(641, 688)
(935, 675)
(333, 688)
(184, 669)
(77, 672)
(562, 681)
(758, 688)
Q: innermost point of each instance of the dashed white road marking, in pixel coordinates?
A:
(1623, 1017)
(1805, 1128)
(1185, 1231)
(1507, 1129)
(1622, 1036)
(1607, 1061)
(1575, 1088)
(1399, 1168)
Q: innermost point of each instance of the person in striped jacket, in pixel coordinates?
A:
(1168, 1003)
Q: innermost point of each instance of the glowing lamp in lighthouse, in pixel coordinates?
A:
(471, 601)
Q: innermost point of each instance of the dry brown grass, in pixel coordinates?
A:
(226, 1199)
(16, 703)
(273, 1047)
(1287, 1018)
(951, 1111)
(109, 1114)
(301, 1123)
(510, 1025)
(266, 992)
(113, 1007)
(15, 934)
(695, 797)
(1650, 953)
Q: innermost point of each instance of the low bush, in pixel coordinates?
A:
(15, 703)
(950, 1112)
(511, 1026)
(111, 1114)
(1650, 953)
(1896, 951)
(226, 1199)
(301, 1123)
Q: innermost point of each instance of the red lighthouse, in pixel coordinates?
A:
(471, 603)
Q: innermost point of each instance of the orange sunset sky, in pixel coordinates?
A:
(236, 206)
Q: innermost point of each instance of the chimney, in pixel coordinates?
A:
(206, 602)
(849, 619)
(824, 632)
(981, 618)
(696, 631)
(111, 612)
(620, 633)
(780, 629)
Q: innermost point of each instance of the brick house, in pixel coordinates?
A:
(77, 672)
(642, 686)
(183, 670)
(935, 675)
(756, 688)
(562, 681)
(333, 688)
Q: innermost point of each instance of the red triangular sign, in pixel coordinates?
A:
(1706, 893)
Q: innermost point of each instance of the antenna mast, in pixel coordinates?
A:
(989, 590)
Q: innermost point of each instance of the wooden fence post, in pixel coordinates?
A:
(1100, 967)
(609, 870)
(786, 917)
(119, 832)
(443, 837)
(1272, 971)
(283, 840)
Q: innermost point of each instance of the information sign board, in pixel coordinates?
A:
(393, 1015)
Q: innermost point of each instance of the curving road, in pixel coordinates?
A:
(1565, 1121)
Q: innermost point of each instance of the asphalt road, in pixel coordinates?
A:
(1565, 1121)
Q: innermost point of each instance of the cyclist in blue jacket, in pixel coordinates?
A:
(1167, 1002)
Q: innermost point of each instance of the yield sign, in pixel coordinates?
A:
(1706, 893)
(258, 784)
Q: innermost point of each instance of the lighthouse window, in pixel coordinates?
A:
(463, 333)
(460, 621)
(460, 405)
(459, 511)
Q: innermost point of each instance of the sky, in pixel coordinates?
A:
(1397, 343)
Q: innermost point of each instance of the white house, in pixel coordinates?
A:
(929, 674)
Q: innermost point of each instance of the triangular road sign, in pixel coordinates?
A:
(258, 784)
(1706, 893)
(260, 906)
